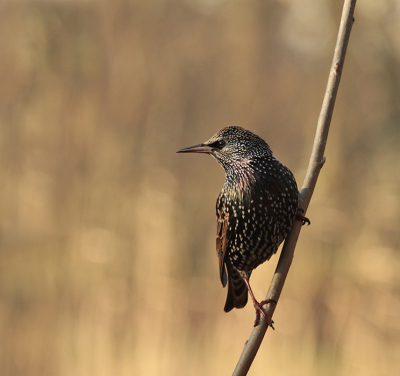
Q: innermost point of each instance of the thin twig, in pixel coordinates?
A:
(316, 161)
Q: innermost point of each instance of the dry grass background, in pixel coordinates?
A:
(107, 260)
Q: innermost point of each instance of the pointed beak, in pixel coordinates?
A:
(201, 148)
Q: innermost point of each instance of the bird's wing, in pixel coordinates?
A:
(222, 236)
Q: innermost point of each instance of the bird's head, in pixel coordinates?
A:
(232, 146)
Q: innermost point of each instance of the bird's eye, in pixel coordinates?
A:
(218, 144)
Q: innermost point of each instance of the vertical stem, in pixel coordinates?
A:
(316, 161)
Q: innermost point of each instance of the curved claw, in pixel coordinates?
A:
(301, 217)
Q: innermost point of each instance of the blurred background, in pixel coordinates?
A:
(107, 252)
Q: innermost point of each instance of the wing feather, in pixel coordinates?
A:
(222, 236)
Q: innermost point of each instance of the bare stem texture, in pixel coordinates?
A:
(316, 161)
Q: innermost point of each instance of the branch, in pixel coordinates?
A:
(316, 162)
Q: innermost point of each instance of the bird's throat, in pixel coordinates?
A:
(240, 180)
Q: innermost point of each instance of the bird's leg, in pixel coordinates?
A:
(258, 306)
(301, 217)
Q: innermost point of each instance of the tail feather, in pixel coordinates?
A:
(237, 290)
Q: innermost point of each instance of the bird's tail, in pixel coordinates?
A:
(237, 290)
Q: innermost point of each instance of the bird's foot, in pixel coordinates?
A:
(259, 309)
(301, 217)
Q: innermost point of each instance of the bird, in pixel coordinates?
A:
(255, 209)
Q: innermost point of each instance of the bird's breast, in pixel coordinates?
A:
(261, 215)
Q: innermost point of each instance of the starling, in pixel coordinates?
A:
(256, 209)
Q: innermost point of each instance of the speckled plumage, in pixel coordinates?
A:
(255, 209)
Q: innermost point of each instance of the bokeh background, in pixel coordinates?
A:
(107, 252)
